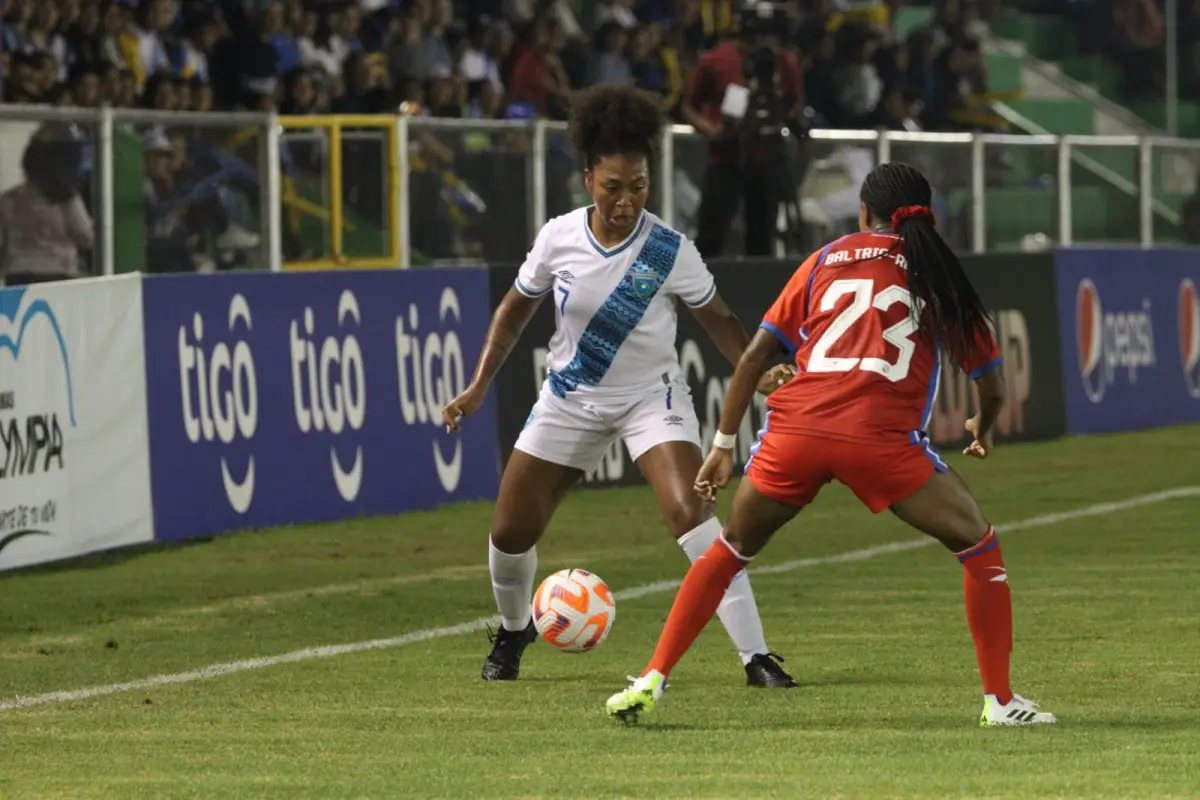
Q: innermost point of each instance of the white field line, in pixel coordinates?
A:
(660, 587)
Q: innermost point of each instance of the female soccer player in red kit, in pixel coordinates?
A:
(867, 319)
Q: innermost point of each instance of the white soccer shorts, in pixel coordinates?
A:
(576, 431)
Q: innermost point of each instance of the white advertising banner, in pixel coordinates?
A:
(74, 449)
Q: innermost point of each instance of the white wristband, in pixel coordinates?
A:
(725, 441)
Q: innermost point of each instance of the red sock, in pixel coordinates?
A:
(696, 603)
(989, 612)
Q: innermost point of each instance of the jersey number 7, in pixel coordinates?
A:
(864, 300)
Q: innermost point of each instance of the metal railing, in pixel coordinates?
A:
(376, 191)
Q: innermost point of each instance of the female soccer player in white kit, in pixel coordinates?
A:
(614, 272)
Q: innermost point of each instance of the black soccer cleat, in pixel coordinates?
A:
(504, 662)
(764, 672)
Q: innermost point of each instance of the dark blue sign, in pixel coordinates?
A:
(1130, 323)
(306, 397)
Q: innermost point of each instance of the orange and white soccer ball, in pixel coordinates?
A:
(573, 610)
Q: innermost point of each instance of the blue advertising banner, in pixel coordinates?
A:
(306, 397)
(1130, 323)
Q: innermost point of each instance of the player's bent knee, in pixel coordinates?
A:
(515, 538)
(686, 514)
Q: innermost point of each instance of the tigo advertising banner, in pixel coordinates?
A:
(1130, 338)
(305, 397)
(74, 457)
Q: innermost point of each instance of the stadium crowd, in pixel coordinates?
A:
(467, 58)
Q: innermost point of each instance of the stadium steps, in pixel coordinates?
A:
(1068, 93)
(1022, 195)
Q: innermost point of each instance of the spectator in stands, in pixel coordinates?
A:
(476, 63)
(44, 223)
(537, 75)
(954, 71)
(1136, 44)
(619, 12)
(671, 56)
(857, 78)
(645, 60)
(42, 36)
(312, 41)
(344, 40)
(899, 110)
(609, 62)
(367, 85)
(23, 84)
(86, 86)
(282, 39)
(170, 246)
(715, 23)
(435, 58)
(483, 99)
(945, 23)
(125, 94)
(245, 65)
(299, 93)
(16, 16)
(444, 93)
(141, 39)
(159, 94)
(202, 33)
(404, 49)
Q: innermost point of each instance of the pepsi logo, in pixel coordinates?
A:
(1110, 344)
(1189, 336)
(1089, 338)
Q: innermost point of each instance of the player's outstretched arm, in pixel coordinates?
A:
(990, 386)
(718, 467)
(509, 321)
(723, 327)
(730, 337)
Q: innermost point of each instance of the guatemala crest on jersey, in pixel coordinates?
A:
(645, 283)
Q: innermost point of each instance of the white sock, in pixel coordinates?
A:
(512, 584)
(738, 611)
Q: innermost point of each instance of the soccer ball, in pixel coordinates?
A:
(573, 610)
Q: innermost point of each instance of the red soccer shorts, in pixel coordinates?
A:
(791, 468)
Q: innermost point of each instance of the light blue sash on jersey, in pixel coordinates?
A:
(619, 314)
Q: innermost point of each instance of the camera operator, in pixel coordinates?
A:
(734, 88)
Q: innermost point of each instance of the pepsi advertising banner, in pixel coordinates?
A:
(309, 397)
(1130, 322)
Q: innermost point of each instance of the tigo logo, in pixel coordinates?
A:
(431, 373)
(219, 390)
(329, 386)
(1108, 341)
(1189, 336)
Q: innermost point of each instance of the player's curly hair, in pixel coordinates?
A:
(608, 120)
(900, 194)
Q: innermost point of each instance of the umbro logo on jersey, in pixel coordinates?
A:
(565, 276)
(673, 420)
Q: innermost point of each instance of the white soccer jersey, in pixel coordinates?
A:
(614, 308)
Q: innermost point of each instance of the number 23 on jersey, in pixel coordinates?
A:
(864, 298)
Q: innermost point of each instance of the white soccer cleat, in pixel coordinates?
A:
(1017, 711)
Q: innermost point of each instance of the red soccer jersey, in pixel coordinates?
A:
(865, 368)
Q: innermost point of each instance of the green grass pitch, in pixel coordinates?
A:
(1107, 610)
